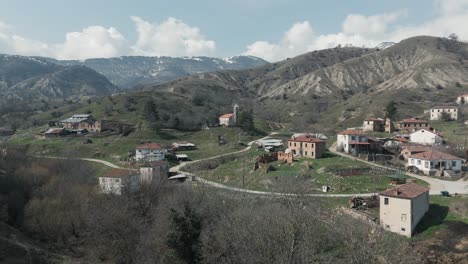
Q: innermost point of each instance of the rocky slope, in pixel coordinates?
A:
(130, 71)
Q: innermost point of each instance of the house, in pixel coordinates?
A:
(462, 99)
(118, 181)
(6, 131)
(307, 146)
(182, 157)
(413, 124)
(270, 144)
(432, 162)
(150, 152)
(407, 151)
(356, 141)
(438, 112)
(229, 119)
(83, 121)
(56, 132)
(426, 137)
(374, 124)
(402, 207)
(183, 145)
(154, 172)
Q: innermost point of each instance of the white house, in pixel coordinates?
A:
(403, 207)
(154, 172)
(426, 137)
(150, 152)
(352, 141)
(118, 181)
(451, 111)
(462, 99)
(429, 162)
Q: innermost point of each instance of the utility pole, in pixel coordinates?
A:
(243, 175)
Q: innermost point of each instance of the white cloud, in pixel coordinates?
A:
(295, 41)
(170, 38)
(360, 30)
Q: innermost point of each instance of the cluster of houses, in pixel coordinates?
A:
(82, 124)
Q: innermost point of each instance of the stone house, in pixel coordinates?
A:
(374, 124)
(154, 172)
(426, 137)
(432, 162)
(436, 113)
(118, 181)
(286, 156)
(150, 152)
(413, 124)
(403, 207)
(307, 146)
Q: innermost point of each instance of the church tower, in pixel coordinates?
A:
(236, 112)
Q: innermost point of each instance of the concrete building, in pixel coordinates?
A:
(413, 124)
(118, 181)
(426, 137)
(307, 146)
(374, 124)
(435, 162)
(150, 152)
(402, 207)
(353, 142)
(436, 113)
(154, 172)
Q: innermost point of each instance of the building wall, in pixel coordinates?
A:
(425, 137)
(226, 121)
(150, 154)
(412, 126)
(110, 185)
(307, 149)
(373, 125)
(396, 215)
(343, 141)
(465, 100)
(287, 157)
(436, 114)
(154, 175)
(419, 207)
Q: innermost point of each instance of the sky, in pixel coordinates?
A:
(269, 29)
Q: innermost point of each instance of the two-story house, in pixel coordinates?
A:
(307, 146)
(403, 207)
(150, 152)
(353, 141)
(438, 112)
(413, 124)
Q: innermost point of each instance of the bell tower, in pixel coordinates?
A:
(235, 112)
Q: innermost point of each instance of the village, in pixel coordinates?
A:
(398, 160)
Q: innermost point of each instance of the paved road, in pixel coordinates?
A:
(436, 185)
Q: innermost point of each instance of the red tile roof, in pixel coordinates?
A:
(352, 132)
(306, 138)
(406, 191)
(149, 146)
(416, 148)
(227, 116)
(119, 173)
(400, 139)
(444, 107)
(434, 155)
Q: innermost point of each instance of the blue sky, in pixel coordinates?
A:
(272, 29)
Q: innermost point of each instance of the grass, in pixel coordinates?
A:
(453, 131)
(442, 211)
(116, 147)
(303, 176)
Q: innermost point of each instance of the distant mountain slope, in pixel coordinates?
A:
(29, 78)
(130, 71)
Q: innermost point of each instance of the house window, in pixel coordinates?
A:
(403, 229)
(403, 217)
(294, 143)
(386, 201)
(454, 163)
(419, 162)
(353, 138)
(305, 153)
(306, 145)
(426, 165)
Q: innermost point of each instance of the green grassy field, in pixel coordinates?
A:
(115, 147)
(303, 176)
(442, 211)
(454, 132)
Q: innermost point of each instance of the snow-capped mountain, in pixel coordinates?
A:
(129, 71)
(385, 45)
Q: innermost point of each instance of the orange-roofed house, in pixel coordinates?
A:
(150, 152)
(432, 161)
(118, 181)
(402, 207)
(229, 119)
(307, 146)
(353, 142)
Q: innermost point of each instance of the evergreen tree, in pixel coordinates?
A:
(391, 110)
